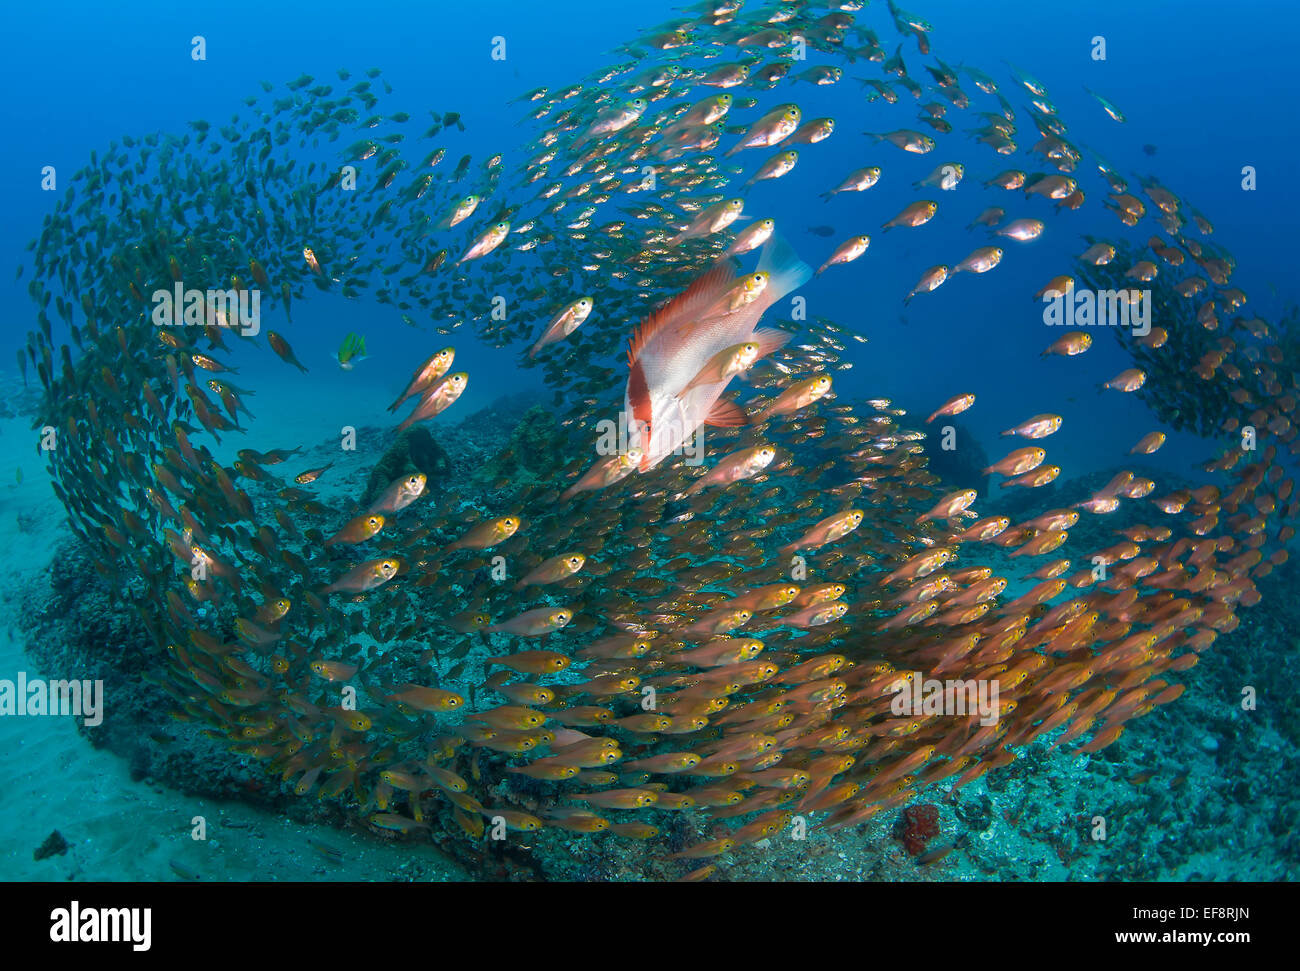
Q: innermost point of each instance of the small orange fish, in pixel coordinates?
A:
(932, 279)
(358, 530)
(426, 375)
(1129, 380)
(953, 406)
(519, 822)
(1040, 426)
(699, 851)
(437, 399)
(333, 670)
(553, 570)
(1069, 345)
(1018, 462)
(311, 475)
(533, 662)
(799, 395)
(422, 698)
(744, 464)
(399, 494)
(917, 214)
(827, 531)
(952, 506)
(282, 348)
(365, 576)
(619, 798)
(1149, 443)
(534, 623)
(488, 534)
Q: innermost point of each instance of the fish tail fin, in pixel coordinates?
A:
(787, 271)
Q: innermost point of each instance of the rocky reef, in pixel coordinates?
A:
(959, 466)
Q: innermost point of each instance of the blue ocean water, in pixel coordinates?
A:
(1205, 93)
(1211, 99)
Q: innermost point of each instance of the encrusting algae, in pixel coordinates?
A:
(632, 635)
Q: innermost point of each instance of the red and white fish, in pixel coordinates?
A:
(664, 403)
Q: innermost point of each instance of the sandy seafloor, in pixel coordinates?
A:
(1029, 822)
(52, 778)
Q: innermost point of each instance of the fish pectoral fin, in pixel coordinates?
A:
(770, 339)
(726, 414)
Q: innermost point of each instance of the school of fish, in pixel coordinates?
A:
(727, 638)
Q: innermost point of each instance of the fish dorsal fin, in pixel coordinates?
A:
(725, 413)
(699, 296)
